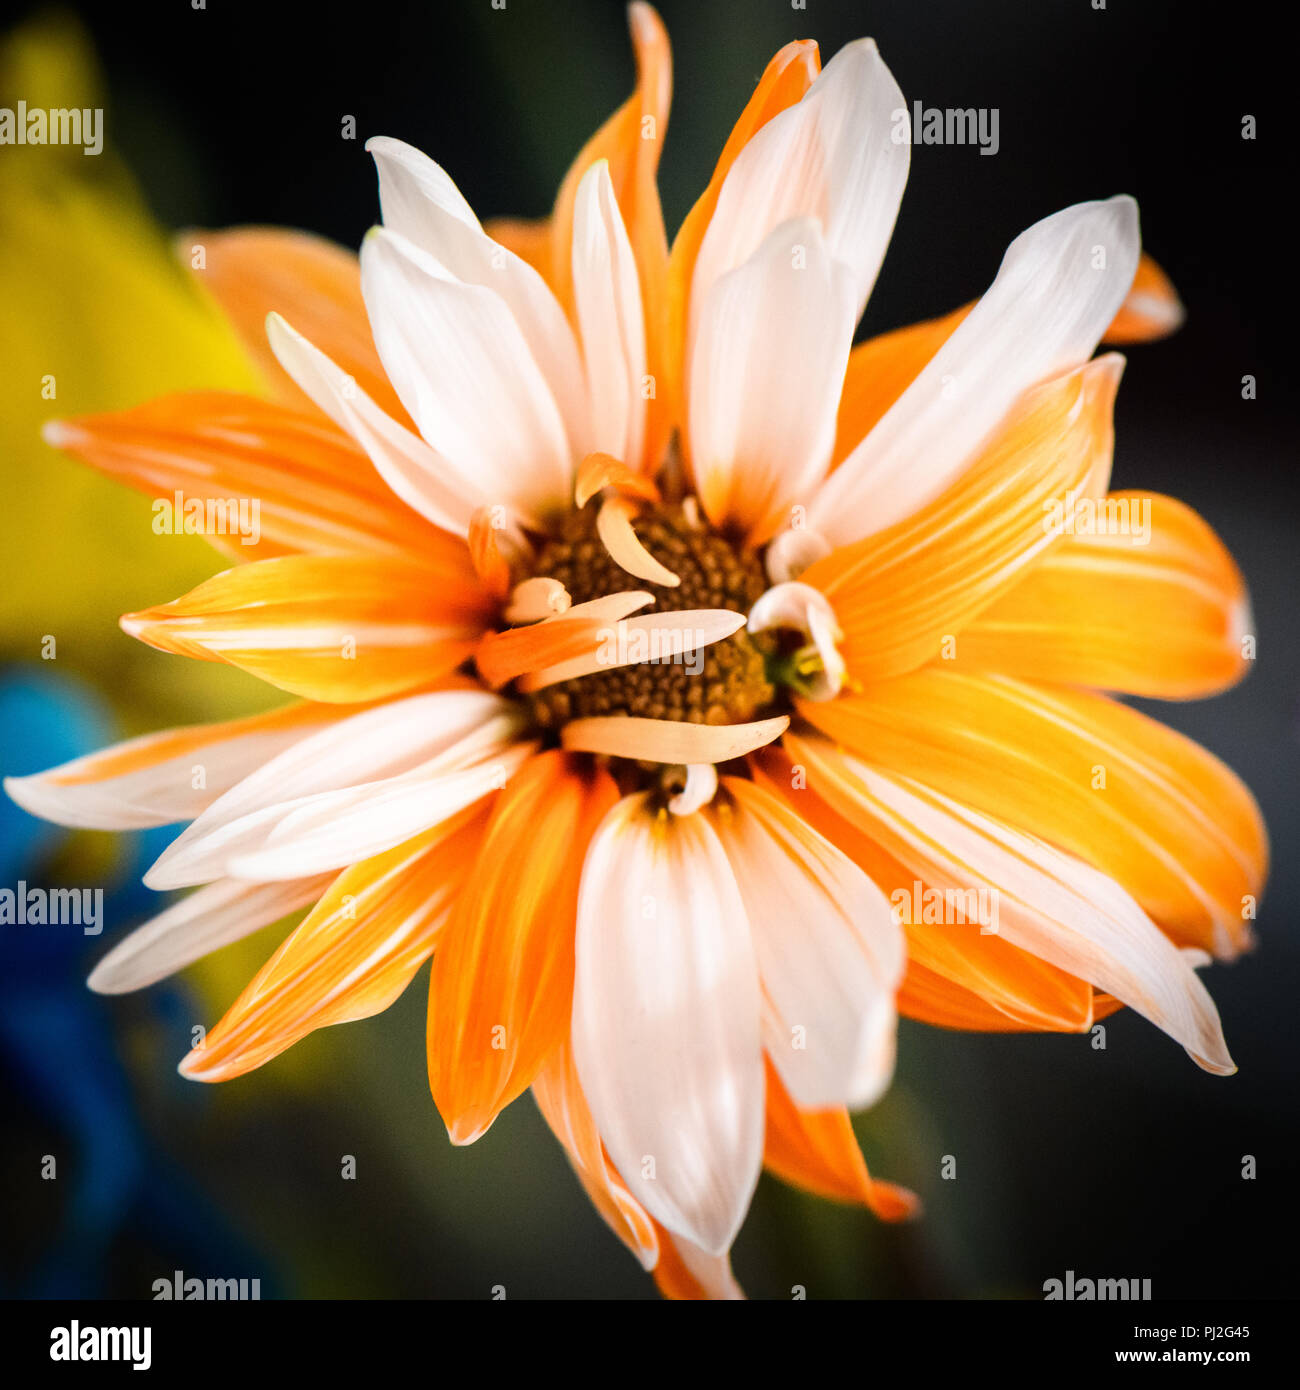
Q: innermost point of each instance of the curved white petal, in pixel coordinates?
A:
(157, 785)
(422, 203)
(424, 481)
(607, 294)
(356, 753)
(1047, 902)
(665, 1020)
(463, 369)
(199, 924)
(830, 953)
(807, 610)
(840, 155)
(1059, 285)
(766, 366)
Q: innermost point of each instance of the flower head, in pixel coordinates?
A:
(670, 669)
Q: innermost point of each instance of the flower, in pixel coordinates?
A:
(670, 667)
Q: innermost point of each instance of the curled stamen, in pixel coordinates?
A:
(614, 527)
(599, 471)
(817, 669)
(701, 783)
(535, 599)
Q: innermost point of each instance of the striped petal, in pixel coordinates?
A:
(465, 372)
(266, 480)
(665, 1020)
(957, 976)
(339, 628)
(202, 922)
(432, 734)
(829, 952)
(607, 298)
(1049, 904)
(501, 987)
(1165, 616)
(899, 596)
(255, 271)
(1146, 806)
(166, 777)
(351, 957)
(631, 141)
(1059, 285)
(762, 417)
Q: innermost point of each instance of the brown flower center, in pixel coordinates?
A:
(724, 683)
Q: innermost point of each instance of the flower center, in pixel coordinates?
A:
(723, 683)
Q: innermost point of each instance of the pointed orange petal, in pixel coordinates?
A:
(490, 564)
(559, 1097)
(1170, 822)
(351, 956)
(1152, 309)
(1016, 991)
(817, 1150)
(669, 740)
(338, 628)
(312, 282)
(880, 370)
(313, 489)
(501, 987)
(503, 656)
(899, 594)
(1167, 618)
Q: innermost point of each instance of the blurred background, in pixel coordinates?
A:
(1122, 1163)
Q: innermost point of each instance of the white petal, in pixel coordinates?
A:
(665, 1020)
(608, 298)
(840, 155)
(200, 923)
(1048, 903)
(421, 203)
(830, 953)
(462, 368)
(711, 1272)
(379, 743)
(1059, 285)
(160, 792)
(767, 363)
(425, 482)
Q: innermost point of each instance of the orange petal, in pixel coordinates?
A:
(631, 140)
(900, 593)
(338, 628)
(669, 740)
(491, 566)
(501, 987)
(817, 1150)
(880, 370)
(503, 656)
(1152, 309)
(787, 77)
(560, 1099)
(694, 1276)
(314, 490)
(312, 282)
(351, 956)
(1169, 822)
(948, 966)
(1168, 618)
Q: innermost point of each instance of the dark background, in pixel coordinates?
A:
(1123, 1163)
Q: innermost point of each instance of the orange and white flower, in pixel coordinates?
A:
(650, 637)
